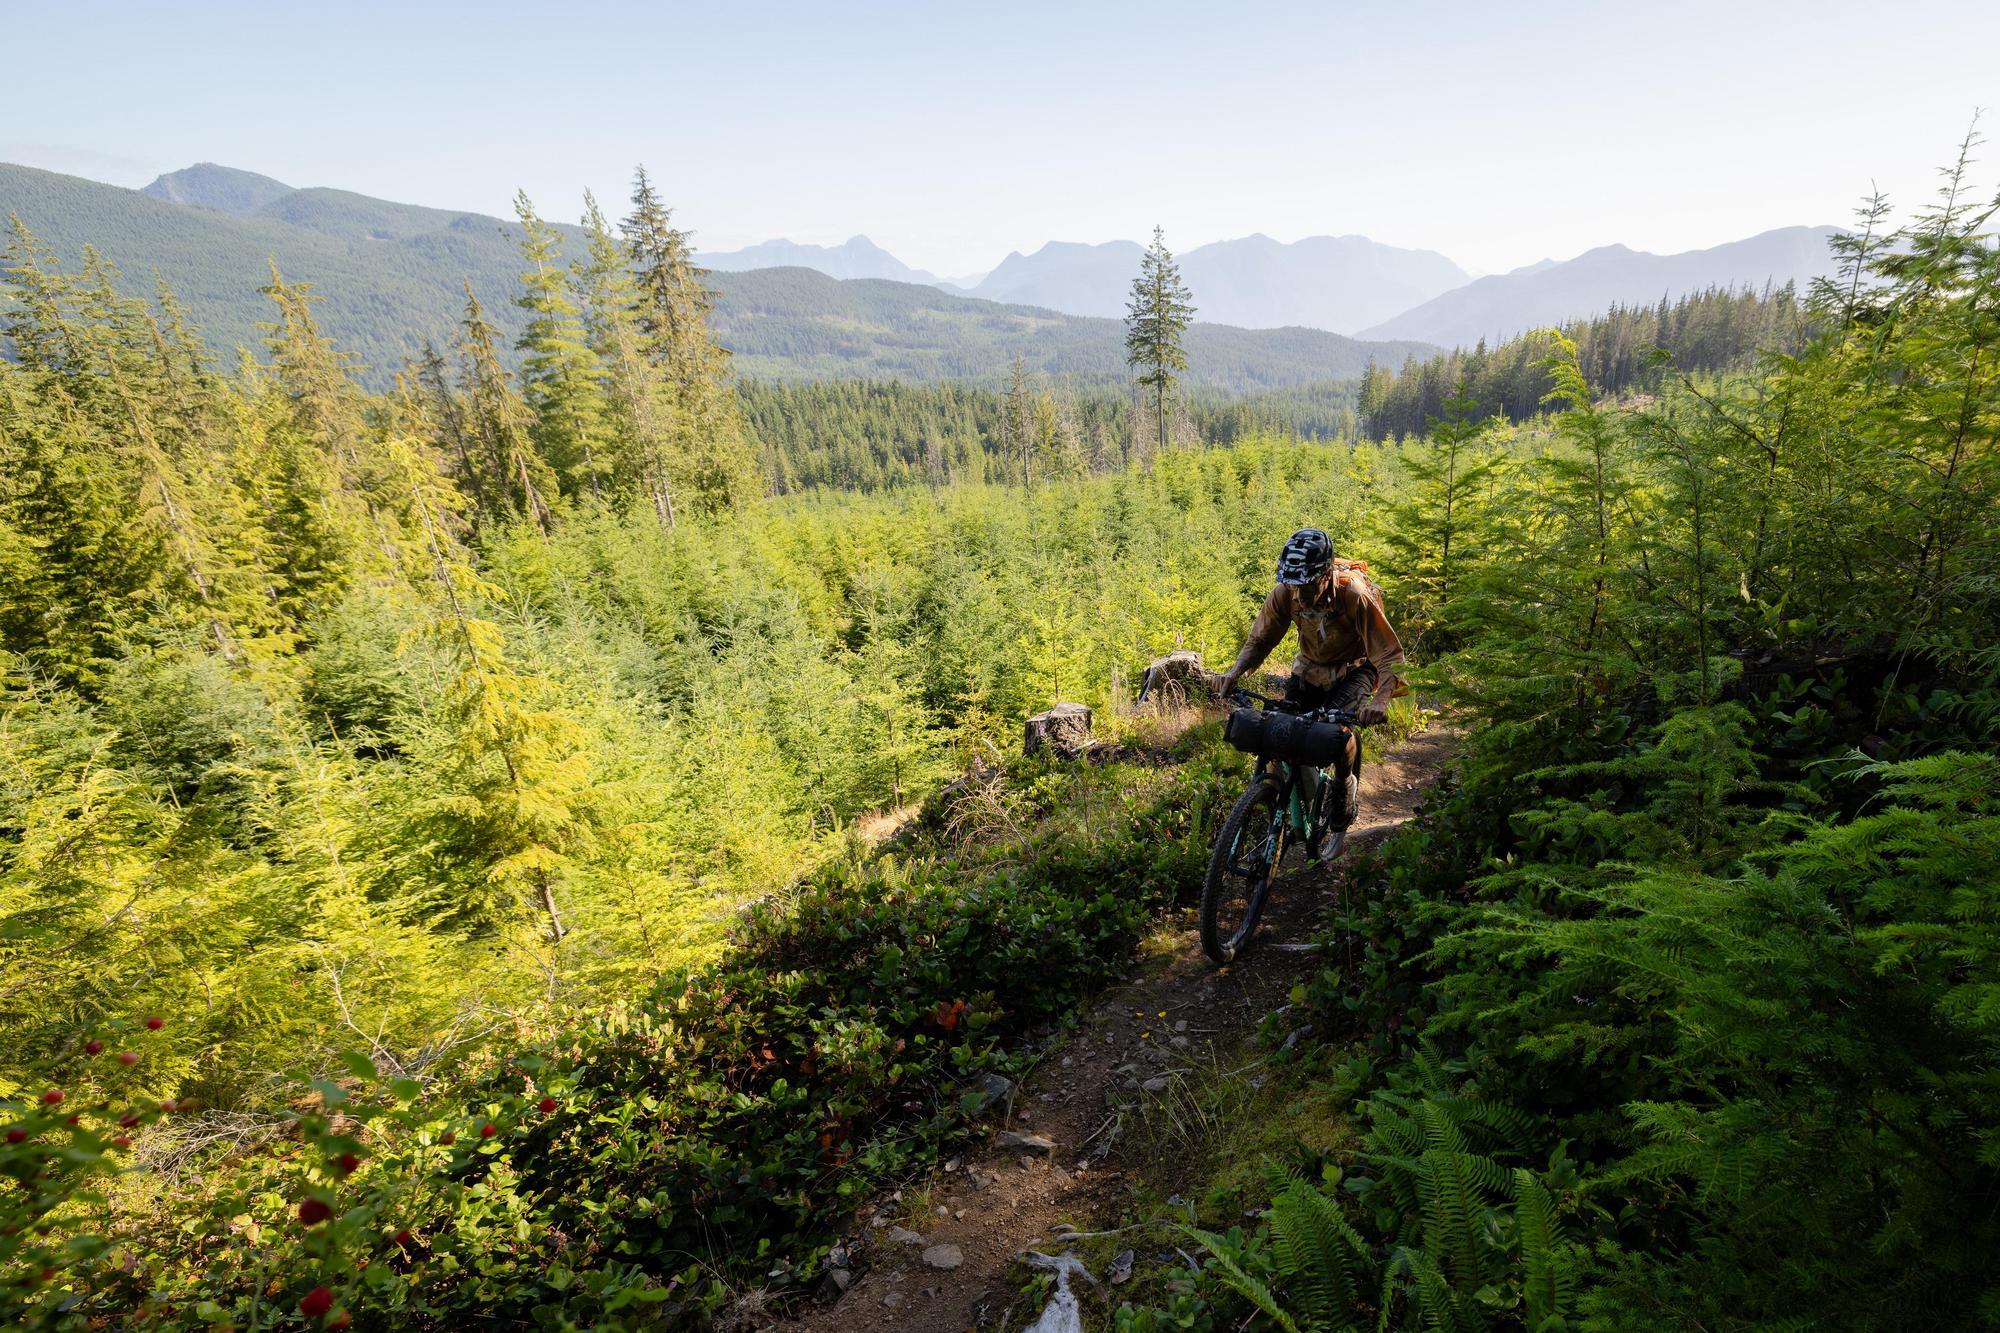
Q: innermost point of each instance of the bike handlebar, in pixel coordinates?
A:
(1247, 698)
(1344, 716)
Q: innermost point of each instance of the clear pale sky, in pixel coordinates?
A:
(952, 133)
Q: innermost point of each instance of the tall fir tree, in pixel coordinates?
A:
(635, 400)
(1156, 324)
(1017, 423)
(561, 377)
(709, 459)
(499, 422)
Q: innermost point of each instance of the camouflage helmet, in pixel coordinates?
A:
(1306, 557)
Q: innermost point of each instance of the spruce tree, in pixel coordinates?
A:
(1156, 324)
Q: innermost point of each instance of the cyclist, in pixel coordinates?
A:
(1347, 648)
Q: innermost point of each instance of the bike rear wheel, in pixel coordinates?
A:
(1248, 849)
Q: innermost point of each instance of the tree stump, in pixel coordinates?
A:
(1064, 730)
(1177, 679)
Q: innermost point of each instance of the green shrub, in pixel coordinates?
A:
(712, 1134)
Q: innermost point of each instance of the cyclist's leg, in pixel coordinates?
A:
(1300, 693)
(1349, 692)
(1353, 687)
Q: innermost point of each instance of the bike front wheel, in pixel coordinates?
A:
(1248, 848)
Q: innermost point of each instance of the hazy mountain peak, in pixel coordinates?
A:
(1549, 293)
(1324, 282)
(856, 257)
(224, 189)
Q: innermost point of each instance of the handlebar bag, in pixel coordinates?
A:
(1296, 740)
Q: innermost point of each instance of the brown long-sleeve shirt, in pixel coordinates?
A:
(1341, 624)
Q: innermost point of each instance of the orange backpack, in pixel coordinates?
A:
(1356, 571)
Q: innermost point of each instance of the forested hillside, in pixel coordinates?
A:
(794, 324)
(392, 277)
(870, 434)
(384, 777)
(1623, 351)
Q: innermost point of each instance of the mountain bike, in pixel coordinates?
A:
(1289, 803)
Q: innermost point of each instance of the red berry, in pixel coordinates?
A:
(129, 1119)
(17, 1135)
(447, 1138)
(128, 1057)
(340, 1322)
(72, 1120)
(402, 1237)
(53, 1097)
(167, 1107)
(488, 1130)
(347, 1161)
(315, 1302)
(547, 1105)
(156, 1023)
(92, 1047)
(122, 1141)
(312, 1212)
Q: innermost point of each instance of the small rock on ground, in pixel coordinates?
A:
(1010, 1140)
(944, 1256)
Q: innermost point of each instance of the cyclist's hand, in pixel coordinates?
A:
(1372, 715)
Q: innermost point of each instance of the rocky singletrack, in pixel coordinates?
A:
(937, 1259)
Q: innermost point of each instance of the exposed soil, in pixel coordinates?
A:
(996, 1202)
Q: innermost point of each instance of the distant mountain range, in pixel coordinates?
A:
(391, 277)
(796, 324)
(1505, 304)
(1324, 282)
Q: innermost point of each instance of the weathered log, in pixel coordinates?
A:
(1064, 730)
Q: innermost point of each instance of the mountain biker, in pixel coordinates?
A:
(1347, 648)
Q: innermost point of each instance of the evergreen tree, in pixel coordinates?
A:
(636, 400)
(497, 421)
(1156, 324)
(1017, 423)
(561, 378)
(708, 459)
(518, 798)
(1434, 528)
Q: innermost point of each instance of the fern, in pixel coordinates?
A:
(1322, 1259)
(1548, 1281)
(1241, 1282)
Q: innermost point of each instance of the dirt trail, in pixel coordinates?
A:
(939, 1264)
